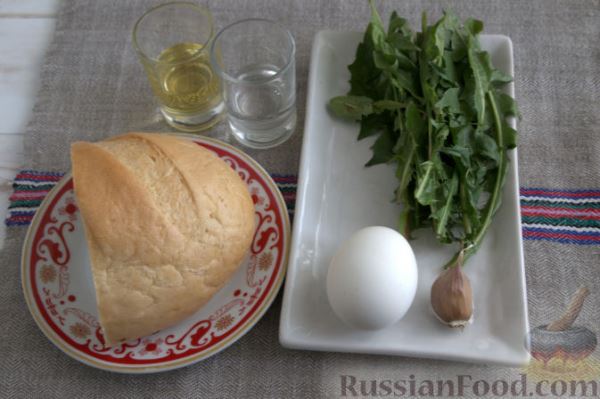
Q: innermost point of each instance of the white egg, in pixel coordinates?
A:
(372, 279)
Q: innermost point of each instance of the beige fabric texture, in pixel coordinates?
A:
(161, 259)
(92, 87)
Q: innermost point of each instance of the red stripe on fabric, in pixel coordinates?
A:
(284, 178)
(20, 218)
(560, 209)
(581, 194)
(41, 191)
(560, 215)
(30, 176)
(25, 196)
(575, 237)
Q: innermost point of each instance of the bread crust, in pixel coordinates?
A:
(167, 224)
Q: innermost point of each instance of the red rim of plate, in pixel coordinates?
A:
(127, 365)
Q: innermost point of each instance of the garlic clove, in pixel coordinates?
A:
(452, 297)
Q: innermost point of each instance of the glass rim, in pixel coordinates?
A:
(224, 75)
(203, 10)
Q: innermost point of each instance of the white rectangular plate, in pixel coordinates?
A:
(337, 195)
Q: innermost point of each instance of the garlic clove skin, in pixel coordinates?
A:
(452, 297)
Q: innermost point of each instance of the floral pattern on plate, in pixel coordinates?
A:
(59, 288)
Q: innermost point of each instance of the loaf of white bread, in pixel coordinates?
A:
(167, 224)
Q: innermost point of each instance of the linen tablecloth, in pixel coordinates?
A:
(92, 87)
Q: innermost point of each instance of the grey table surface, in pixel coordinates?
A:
(92, 87)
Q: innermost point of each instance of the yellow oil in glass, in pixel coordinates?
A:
(184, 81)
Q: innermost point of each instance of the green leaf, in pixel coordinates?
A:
(439, 138)
(432, 103)
(408, 147)
(487, 147)
(387, 105)
(382, 148)
(498, 78)
(473, 26)
(507, 105)
(385, 62)
(403, 61)
(371, 125)
(442, 214)
(364, 76)
(399, 126)
(405, 158)
(498, 177)
(398, 25)
(449, 101)
(481, 80)
(413, 215)
(439, 33)
(405, 80)
(434, 42)
(427, 183)
(451, 21)
(510, 136)
(415, 123)
(351, 107)
(377, 31)
(402, 42)
(462, 136)
(469, 193)
(460, 154)
(458, 44)
(449, 69)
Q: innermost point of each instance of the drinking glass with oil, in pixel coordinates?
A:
(173, 42)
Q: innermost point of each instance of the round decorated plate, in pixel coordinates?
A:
(58, 286)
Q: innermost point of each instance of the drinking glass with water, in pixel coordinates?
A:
(255, 59)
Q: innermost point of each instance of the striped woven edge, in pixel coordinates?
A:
(29, 189)
(564, 216)
(31, 186)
